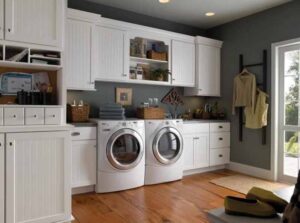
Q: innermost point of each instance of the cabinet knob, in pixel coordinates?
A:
(35, 116)
(10, 143)
(14, 116)
(9, 30)
(53, 116)
(0, 144)
(220, 127)
(220, 155)
(220, 139)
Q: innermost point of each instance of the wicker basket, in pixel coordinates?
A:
(151, 54)
(151, 113)
(78, 113)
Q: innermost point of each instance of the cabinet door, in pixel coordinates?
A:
(35, 21)
(188, 152)
(208, 70)
(2, 178)
(79, 36)
(1, 19)
(38, 182)
(111, 54)
(183, 63)
(201, 151)
(84, 163)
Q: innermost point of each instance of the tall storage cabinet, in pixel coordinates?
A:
(36, 168)
(208, 65)
(183, 63)
(80, 50)
(1, 19)
(111, 54)
(2, 178)
(34, 21)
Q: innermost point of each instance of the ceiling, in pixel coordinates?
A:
(192, 12)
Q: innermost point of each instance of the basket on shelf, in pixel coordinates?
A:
(151, 113)
(151, 54)
(78, 113)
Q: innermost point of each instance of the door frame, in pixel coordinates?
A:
(275, 106)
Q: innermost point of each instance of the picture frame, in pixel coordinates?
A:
(124, 96)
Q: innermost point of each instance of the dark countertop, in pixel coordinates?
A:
(204, 121)
(83, 124)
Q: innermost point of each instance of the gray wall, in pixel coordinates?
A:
(106, 94)
(249, 36)
(127, 16)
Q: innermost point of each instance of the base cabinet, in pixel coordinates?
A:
(38, 188)
(2, 178)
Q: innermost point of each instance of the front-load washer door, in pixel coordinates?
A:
(125, 149)
(167, 145)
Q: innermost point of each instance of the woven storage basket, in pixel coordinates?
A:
(78, 113)
(151, 113)
(151, 54)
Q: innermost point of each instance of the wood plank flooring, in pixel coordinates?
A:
(185, 201)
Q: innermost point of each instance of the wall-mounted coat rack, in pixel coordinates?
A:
(263, 86)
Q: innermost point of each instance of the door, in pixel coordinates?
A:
(201, 150)
(188, 152)
(35, 21)
(289, 113)
(111, 54)
(208, 70)
(38, 170)
(1, 19)
(84, 159)
(125, 149)
(167, 146)
(2, 178)
(183, 64)
(79, 45)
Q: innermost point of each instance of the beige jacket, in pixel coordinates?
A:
(244, 90)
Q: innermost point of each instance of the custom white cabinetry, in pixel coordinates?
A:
(208, 65)
(206, 145)
(2, 178)
(111, 54)
(80, 50)
(84, 156)
(183, 63)
(1, 20)
(34, 21)
(38, 188)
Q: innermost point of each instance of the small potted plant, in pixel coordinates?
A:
(160, 75)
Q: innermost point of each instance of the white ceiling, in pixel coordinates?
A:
(192, 12)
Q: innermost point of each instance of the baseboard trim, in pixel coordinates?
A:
(83, 190)
(203, 170)
(250, 170)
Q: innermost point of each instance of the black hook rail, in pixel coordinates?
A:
(264, 66)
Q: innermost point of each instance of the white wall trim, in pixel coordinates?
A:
(250, 170)
(203, 170)
(83, 190)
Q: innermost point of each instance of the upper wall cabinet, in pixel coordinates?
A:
(183, 63)
(80, 50)
(208, 63)
(35, 21)
(111, 59)
(1, 19)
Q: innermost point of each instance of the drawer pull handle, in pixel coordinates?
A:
(14, 116)
(196, 138)
(35, 116)
(220, 155)
(220, 139)
(220, 127)
(53, 116)
(75, 134)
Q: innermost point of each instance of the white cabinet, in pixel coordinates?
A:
(112, 55)
(34, 116)
(38, 186)
(201, 150)
(2, 178)
(53, 116)
(80, 50)
(34, 21)
(183, 63)
(13, 116)
(1, 20)
(208, 65)
(84, 156)
(188, 152)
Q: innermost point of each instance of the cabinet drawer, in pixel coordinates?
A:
(220, 127)
(13, 116)
(53, 116)
(220, 140)
(34, 116)
(219, 157)
(1, 116)
(192, 128)
(84, 133)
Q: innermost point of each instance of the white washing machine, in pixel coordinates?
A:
(164, 151)
(121, 155)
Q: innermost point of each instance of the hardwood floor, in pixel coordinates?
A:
(183, 201)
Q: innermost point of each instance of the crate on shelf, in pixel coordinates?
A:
(151, 113)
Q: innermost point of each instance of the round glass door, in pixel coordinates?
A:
(125, 149)
(167, 146)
